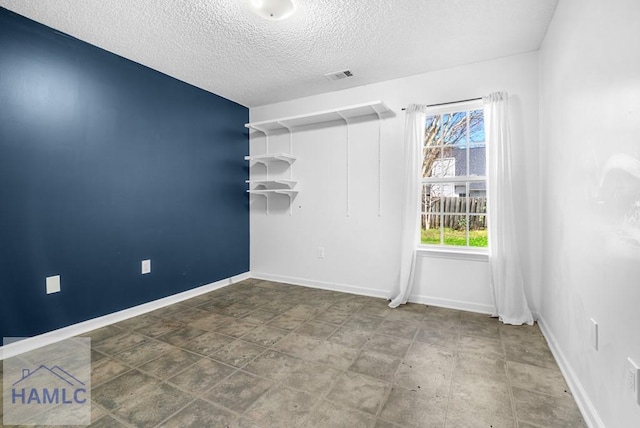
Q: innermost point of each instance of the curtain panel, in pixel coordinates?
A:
(507, 282)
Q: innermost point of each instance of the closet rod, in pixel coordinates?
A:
(451, 102)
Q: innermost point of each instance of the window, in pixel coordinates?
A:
(454, 189)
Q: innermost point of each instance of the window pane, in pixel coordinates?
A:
(454, 128)
(455, 230)
(455, 204)
(430, 229)
(432, 132)
(476, 126)
(477, 160)
(478, 231)
(479, 190)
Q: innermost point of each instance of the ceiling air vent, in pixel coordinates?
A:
(339, 75)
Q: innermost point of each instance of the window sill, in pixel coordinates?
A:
(479, 255)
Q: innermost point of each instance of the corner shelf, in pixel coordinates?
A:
(342, 113)
(267, 192)
(268, 158)
(271, 184)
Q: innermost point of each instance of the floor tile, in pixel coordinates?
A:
(439, 324)
(333, 316)
(477, 318)
(473, 365)
(363, 322)
(334, 354)
(238, 310)
(388, 345)
(107, 422)
(144, 352)
(297, 344)
(537, 379)
(260, 316)
(170, 363)
(238, 391)
(316, 329)
(273, 365)
(448, 338)
(210, 322)
(281, 407)
(537, 354)
(188, 315)
(430, 370)
(152, 407)
(330, 415)
(201, 376)
(159, 327)
(359, 392)
(303, 311)
(126, 387)
(415, 408)
(181, 335)
(236, 328)
(208, 343)
(375, 364)
(200, 414)
(286, 322)
(424, 352)
(265, 336)
(103, 333)
(106, 369)
(119, 342)
(397, 329)
(481, 402)
(351, 338)
(547, 411)
(410, 312)
(238, 353)
(169, 312)
(312, 377)
(488, 348)
(487, 331)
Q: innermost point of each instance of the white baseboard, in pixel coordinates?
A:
(453, 304)
(588, 410)
(372, 292)
(44, 339)
(345, 288)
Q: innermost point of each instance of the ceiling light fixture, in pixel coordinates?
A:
(273, 9)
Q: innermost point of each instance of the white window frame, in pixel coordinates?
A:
(454, 251)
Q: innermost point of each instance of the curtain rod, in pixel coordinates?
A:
(451, 102)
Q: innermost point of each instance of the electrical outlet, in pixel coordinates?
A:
(53, 284)
(146, 266)
(633, 379)
(594, 334)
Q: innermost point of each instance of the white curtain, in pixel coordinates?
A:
(411, 191)
(504, 260)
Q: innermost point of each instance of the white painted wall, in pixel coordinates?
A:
(590, 104)
(361, 250)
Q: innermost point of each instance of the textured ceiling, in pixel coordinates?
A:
(220, 46)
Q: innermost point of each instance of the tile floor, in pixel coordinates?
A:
(264, 354)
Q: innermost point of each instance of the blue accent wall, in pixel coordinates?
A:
(104, 163)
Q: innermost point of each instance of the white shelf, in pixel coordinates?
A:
(273, 157)
(270, 184)
(266, 192)
(343, 113)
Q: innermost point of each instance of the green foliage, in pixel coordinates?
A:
(477, 238)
